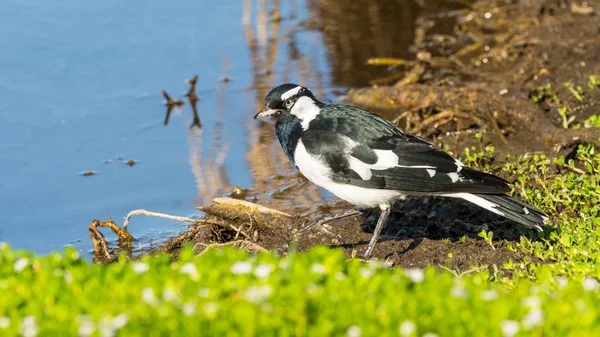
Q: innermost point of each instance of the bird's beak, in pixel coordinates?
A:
(266, 112)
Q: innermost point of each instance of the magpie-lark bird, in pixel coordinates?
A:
(366, 160)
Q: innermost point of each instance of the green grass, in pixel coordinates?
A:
(553, 292)
(564, 109)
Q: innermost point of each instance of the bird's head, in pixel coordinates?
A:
(284, 98)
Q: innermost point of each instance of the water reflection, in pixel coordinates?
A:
(208, 147)
(273, 177)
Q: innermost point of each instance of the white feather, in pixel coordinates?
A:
(431, 172)
(385, 159)
(305, 109)
(290, 93)
(459, 165)
(315, 169)
(479, 201)
(359, 167)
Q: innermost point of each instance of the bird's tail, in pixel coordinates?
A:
(508, 207)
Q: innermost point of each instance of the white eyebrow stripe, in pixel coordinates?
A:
(291, 93)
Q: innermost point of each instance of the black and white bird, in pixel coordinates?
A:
(366, 160)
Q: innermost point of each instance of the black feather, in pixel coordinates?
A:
(288, 130)
(325, 138)
(514, 210)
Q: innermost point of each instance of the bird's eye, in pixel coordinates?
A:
(288, 103)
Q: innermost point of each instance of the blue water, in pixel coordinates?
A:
(80, 84)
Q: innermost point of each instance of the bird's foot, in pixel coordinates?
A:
(320, 224)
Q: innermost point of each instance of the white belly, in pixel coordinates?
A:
(314, 168)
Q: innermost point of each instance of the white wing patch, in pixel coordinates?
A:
(453, 176)
(459, 165)
(385, 159)
(315, 169)
(361, 168)
(291, 93)
(305, 109)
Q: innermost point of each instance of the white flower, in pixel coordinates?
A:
(189, 309)
(29, 327)
(20, 264)
(367, 272)
(4, 322)
(354, 331)
(534, 318)
(318, 268)
(72, 254)
(531, 302)
(203, 292)
(430, 334)
(119, 321)
(459, 292)
(340, 276)
(170, 295)
(105, 328)
(140, 267)
(489, 295)
(68, 276)
(407, 328)
(415, 274)
(590, 284)
(148, 296)
(263, 270)
(86, 326)
(562, 282)
(241, 267)
(509, 328)
(258, 294)
(190, 269)
(210, 308)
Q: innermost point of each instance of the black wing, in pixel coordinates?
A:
(421, 167)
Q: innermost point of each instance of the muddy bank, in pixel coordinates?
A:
(524, 65)
(499, 73)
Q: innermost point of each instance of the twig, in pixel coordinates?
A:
(574, 169)
(155, 214)
(239, 231)
(443, 114)
(231, 243)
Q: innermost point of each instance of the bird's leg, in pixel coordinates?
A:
(385, 213)
(323, 221)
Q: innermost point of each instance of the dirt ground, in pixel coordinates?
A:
(493, 64)
(420, 232)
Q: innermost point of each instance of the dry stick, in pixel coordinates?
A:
(230, 243)
(239, 231)
(155, 214)
(443, 114)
